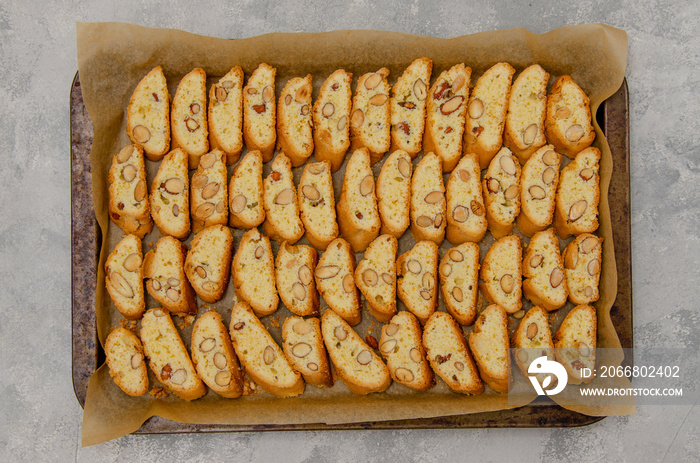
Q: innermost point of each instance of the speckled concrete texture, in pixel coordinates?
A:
(41, 418)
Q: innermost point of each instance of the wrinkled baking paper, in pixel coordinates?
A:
(113, 57)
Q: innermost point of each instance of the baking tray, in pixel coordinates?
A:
(613, 118)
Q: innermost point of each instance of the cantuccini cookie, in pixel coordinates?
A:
(226, 115)
(294, 136)
(575, 343)
(294, 271)
(208, 263)
(568, 123)
(209, 195)
(533, 339)
(370, 122)
(449, 356)
(394, 193)
(402, 347)
(527, 107)
(582, 266)
(538, 187)
(125, 360)
(335, 281)
(356, 364)
(124, 277)
(166, 281)
(170, 196)
(459, 279)
(148, 115)
(486, 113)
(358, 216)
(428, 204)
(501, 187)
(303, 346)
(317, 204)
(254, 273)
(416, 272)
(543, 271)
(246, 192)
(375, 276)
(501, 272)
(578, 194)
(188, 116)
(331, 115)
(489, 343)
(408, 102)
(466, 216)
(282, 221)
(168, 356)
(129, 207)
(260, 111)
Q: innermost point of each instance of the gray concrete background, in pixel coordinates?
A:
(39, 416)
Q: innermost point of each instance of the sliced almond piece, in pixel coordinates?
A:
(458, 83)
(392, 329)
(464, 175)
(511, 192)
(288, 100)
(536, 260)
(378, 99)
(348, 283)
(239, 326)
(268, 93)
(299, 291)
(586, 174)
(420, 89)
(446, 269)
(132, 262)
(173, 294)
(593, 267)
(459, 366)
(191, 124)
(562, 113)
(222, 378)
(269, 355)
(140, 191)
(285, 197)
(404, 167)
(508, 165)
(403, 374)
(129, 173)
(340, 333)
(305, 110)
(451, 105)
(574, 133)
(195, 108)
(302, 94)
(120, 284)
(159, 312)
(207, 345)
(178, 377)
(425, 295)
(549, 158)
(532, 330)
(519, 314)
(493, 185)
(136, 360)
(438, 221)
(220, 206)
(176, 210)
(174, 185)
(328, 109)
(125, 154)
(207, 160)
(584, 350)
(367, 185)
(388, 346)
(507, 283)
(370, 277)
(343, 122)
(312, 366)
(434, 197)
(537, 192)
(327, 271)
(210, 190)
(204, 210)
(457, 294)
(252, 91)
(428, 280)
(221, 94)
(577, 210)
(460, 214)
(414, 266)
(556, 277)
(588, 244)
(259, 251)
(238, 203)
(588, 291)
(476, 108)
(357, 118)
(571, 259)
(548, 175)
(301, 349)
(424, 221)
(210, 286)
(456, 255)
(415, 355)
(387, 278)
(304, 275)
(364, 357)
(301, 327)
(141, 134)
(310, 192)
(477, 208)
(155, 284)
(372, 81)
(529, 134)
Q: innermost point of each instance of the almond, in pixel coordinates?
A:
(199, 180)
(301, 327)
(562, 113)
(285, 197)
(210, 190)
(340, 333)
(532, 330)
(239, 326)
(173, 294)
(404, 167)
(511, 192)
(191, 124)
(574, 133)
(222, 378)
(438, 221)
(132, 262)
(493, 185)
(120, 285)
(387, 278)
(529, 134)
(372, 81)
(301, 349)
(136, 360)
(268, 93)
(392, 329)
(404, 375)
(364, 357)
(207, 345)
(129, 173)
(388, 346)
(420, 89)
(141, 134)
(199, 270)
(125, 154)
(299, 291)
(259, 251)
(174, 185)
(424, 221)
(593, 267)
(343, 122)
(477, 208)
(327, 271)
(317, 168)
(414, 266)
(460, 214)
(425, 295)
(456, 255)
(269, 355)
(178, 377)
(312, 366)
(508, 165)
(305, 110)
(446, 269)
(434, 197)
(507, 283)
(537, 192)
(370, 277)
(415, 355)
(457, 294)
(571, 259)
(288, 100)
(577, 210)
(221, 94)
(303, 94)
(451, 105)
(476, 108)
(549, 158)
(367, 185)
(238, 203)
(549, 175)
(556, 277)
(588, 291)
(586, 174)
(310, 192)
(210, 286)
(357, 118)
(464, 175)
(588, 244)
(204, 210)
(304, 275)
(348, 283)
(536, 260)
(328, 109)
(378, 99)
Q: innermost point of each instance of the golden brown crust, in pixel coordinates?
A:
(575, 343)
(125, 359)
(370, 122)
(124, 277)
(294, 137)
(208, 263)
(428, 205)
(489, 344)
(259, 111)
(336, 282)
(539, 180)
(209, 192)
(170, 196)
(375, 277)
(163, 268)
(254, 273)
(459, 280)
(317, 204)
(416, 284)
(401, 345)
(312, 361)
(501, 272)
(282, 221)
(226, 115)
(501, 187)
(294, 270)
(466, 220)
(332, 123)
(543, 271)
(394, 193)
(582, 267)
(408, 103)
(149, 108)
(568, 123)
(188, 116)
(129, 205)
(246, 192)
(578, 195)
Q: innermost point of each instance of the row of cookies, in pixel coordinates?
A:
(444, 119)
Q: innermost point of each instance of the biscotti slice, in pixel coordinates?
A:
(486, 113)
(336, 281)
(501, 272)
(489, 343)
(568, 123)
(124, 354)
(459, 279)
(148, 115)
(362, 371)
(527, 107)
(124, 277)
(246, 192)
(303, 346)
(501, 187)
(538, 187)
(375, 276)
(416, 272)
(358, 216)
(209, 196)
(575, 343)
(213, 356)
(370, 121)
(449, 356)
(170, 196)
(260, 355)
(294, 270)
(578, 194)
(445, 115)
(226, 115)
(317, 204)
(543, 271)
(428, 204)
(294, 137)
(163, 268)
(332, 119)
(408, 102)
(394, 193)
(402, 347)
(188, 116)
(168, 356)
(282, 221)
(259, 111)
(466, 219)
(128, 202)
(254, 273)
(533, 339)
(582, 264)
(208, 263)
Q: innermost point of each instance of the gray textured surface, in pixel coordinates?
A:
(41, 418)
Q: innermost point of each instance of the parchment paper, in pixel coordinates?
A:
(113, 57)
